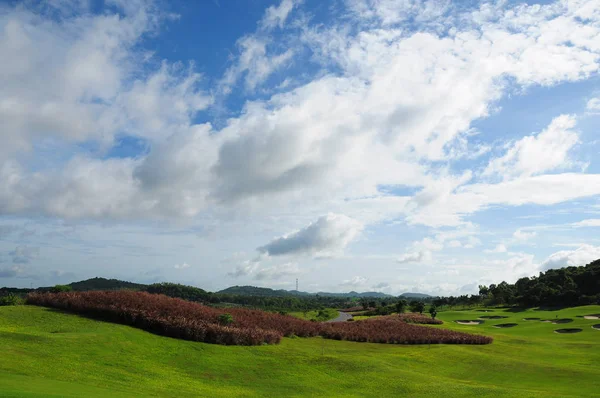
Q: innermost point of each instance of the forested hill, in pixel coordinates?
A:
(261, 291)
(105, 284)
(415, 295)
(556, 287)
(266, 292)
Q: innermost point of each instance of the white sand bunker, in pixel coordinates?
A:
(506, 325)
(493, 317)
(572, 330)
(467, 322)
(597, 326)
(595, 316)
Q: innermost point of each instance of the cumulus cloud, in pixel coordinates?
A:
(583, 255)
(327, 236)
(539, 153)
(415, 257)
(523, 236)
(181, 266)
(389, 100)
(593, 105)
(399, 99)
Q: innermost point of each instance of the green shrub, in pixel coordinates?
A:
(61, 288)
(11, 299)
(225, 319)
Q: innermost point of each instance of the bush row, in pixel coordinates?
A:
(392, 331)
(192, 321)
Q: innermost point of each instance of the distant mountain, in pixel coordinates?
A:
(261, 291)
(105, 284)
(355, 294)
(415, 295)
(266, 292)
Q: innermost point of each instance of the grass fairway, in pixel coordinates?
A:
(48, 353)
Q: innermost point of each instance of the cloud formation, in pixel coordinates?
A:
(583, 255)
(327, 236)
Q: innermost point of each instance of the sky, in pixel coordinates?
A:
(388, 145)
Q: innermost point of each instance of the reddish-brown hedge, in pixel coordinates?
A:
(414, 318)
(159, 314)
(390, 331)
(192, 321)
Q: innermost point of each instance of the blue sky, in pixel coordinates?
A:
(355, 145)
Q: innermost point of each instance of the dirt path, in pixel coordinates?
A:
(342, 317)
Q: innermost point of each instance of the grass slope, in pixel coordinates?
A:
(49, 353)
(310, 315)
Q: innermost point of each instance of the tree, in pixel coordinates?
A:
(401, 306)
(61, 288)
(417, 306)
(433, 311)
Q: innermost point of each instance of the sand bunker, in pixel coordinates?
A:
(564, 320)
(572, 330)
(558, 321)
(532, 319)
(597, 326)
(467, 322)
(595, 316)
(506, 325)
(493, 317)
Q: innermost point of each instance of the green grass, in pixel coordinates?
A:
(47, 353)
(330, 313)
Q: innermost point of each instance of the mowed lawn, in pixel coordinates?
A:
(47, 353)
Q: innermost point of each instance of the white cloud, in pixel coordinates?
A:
(254, 62)
(181, 266)
(247, 267)
(395, 91)
(523, 236)
(500, 248)
(583, 255)
(277, 272)
(593, 105)
(415, 257)
(327, 236)
(592, 222)
(277, 15)
(539, 153)
(355, 282)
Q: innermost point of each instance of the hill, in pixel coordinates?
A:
(267, 292)
(105, 284)
(261, 291)
(415, 295)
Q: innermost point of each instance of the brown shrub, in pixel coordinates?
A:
(192, 321)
